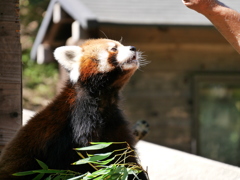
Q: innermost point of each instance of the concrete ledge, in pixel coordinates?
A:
(168, 164)
(26, 115)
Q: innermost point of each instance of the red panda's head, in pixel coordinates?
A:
(99, 57)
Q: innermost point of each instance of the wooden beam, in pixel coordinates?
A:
(59, 15)
(44, 54)
(78, 32)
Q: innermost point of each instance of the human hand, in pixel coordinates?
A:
(200, 6)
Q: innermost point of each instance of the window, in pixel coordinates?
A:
(217, 117)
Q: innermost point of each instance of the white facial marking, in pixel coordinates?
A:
(103, 65)
(74, 73)
(111, 44)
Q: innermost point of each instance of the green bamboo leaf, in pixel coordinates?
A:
(94, 158)
(118, 169)
(82, 161)
(86, 177)
(134, 172)
(48, 178)
(98, 157)
(49, 171)
(90, 176)
(24, 173)
(124, 142)
(78, 177)
(57, 177)
(101, 172)
(104, 162)
(117, 173)
(114, 176)
(101, 142)
(42, 164)
(110, 173)
(111, 176)
(38, 177)
(99, 178)
(93, 147)
(125, 174)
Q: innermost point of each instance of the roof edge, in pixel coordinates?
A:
(80, 12)
(76, 9)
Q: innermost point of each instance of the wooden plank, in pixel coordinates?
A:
(9, 10)
(10, 70)
(9, 29)
(10, 111)
(9, 94)
(10, 40)
(10, 47)
(6, 2)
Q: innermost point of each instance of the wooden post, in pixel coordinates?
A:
(44, 54)
(10, 70)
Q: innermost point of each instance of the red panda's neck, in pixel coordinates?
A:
(89, 111)
(105, 84)
(103, 96)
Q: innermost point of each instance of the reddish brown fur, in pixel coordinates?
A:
(88, 67)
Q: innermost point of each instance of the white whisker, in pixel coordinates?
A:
(121, 40)
(142, 60)
(104, 34)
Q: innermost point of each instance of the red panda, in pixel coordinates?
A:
(85, 111)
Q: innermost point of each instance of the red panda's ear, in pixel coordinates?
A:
(69, 57)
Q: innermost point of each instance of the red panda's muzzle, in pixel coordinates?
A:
(128, 57)
(133, 60)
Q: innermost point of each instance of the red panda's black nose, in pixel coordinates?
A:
(132, 48)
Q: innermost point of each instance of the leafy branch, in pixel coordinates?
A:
(104, 169)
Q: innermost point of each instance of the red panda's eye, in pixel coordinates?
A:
(114, 49)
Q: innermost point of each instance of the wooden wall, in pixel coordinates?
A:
(10, 70)
(161, 92)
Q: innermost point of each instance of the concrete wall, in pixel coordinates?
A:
(161, 92)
